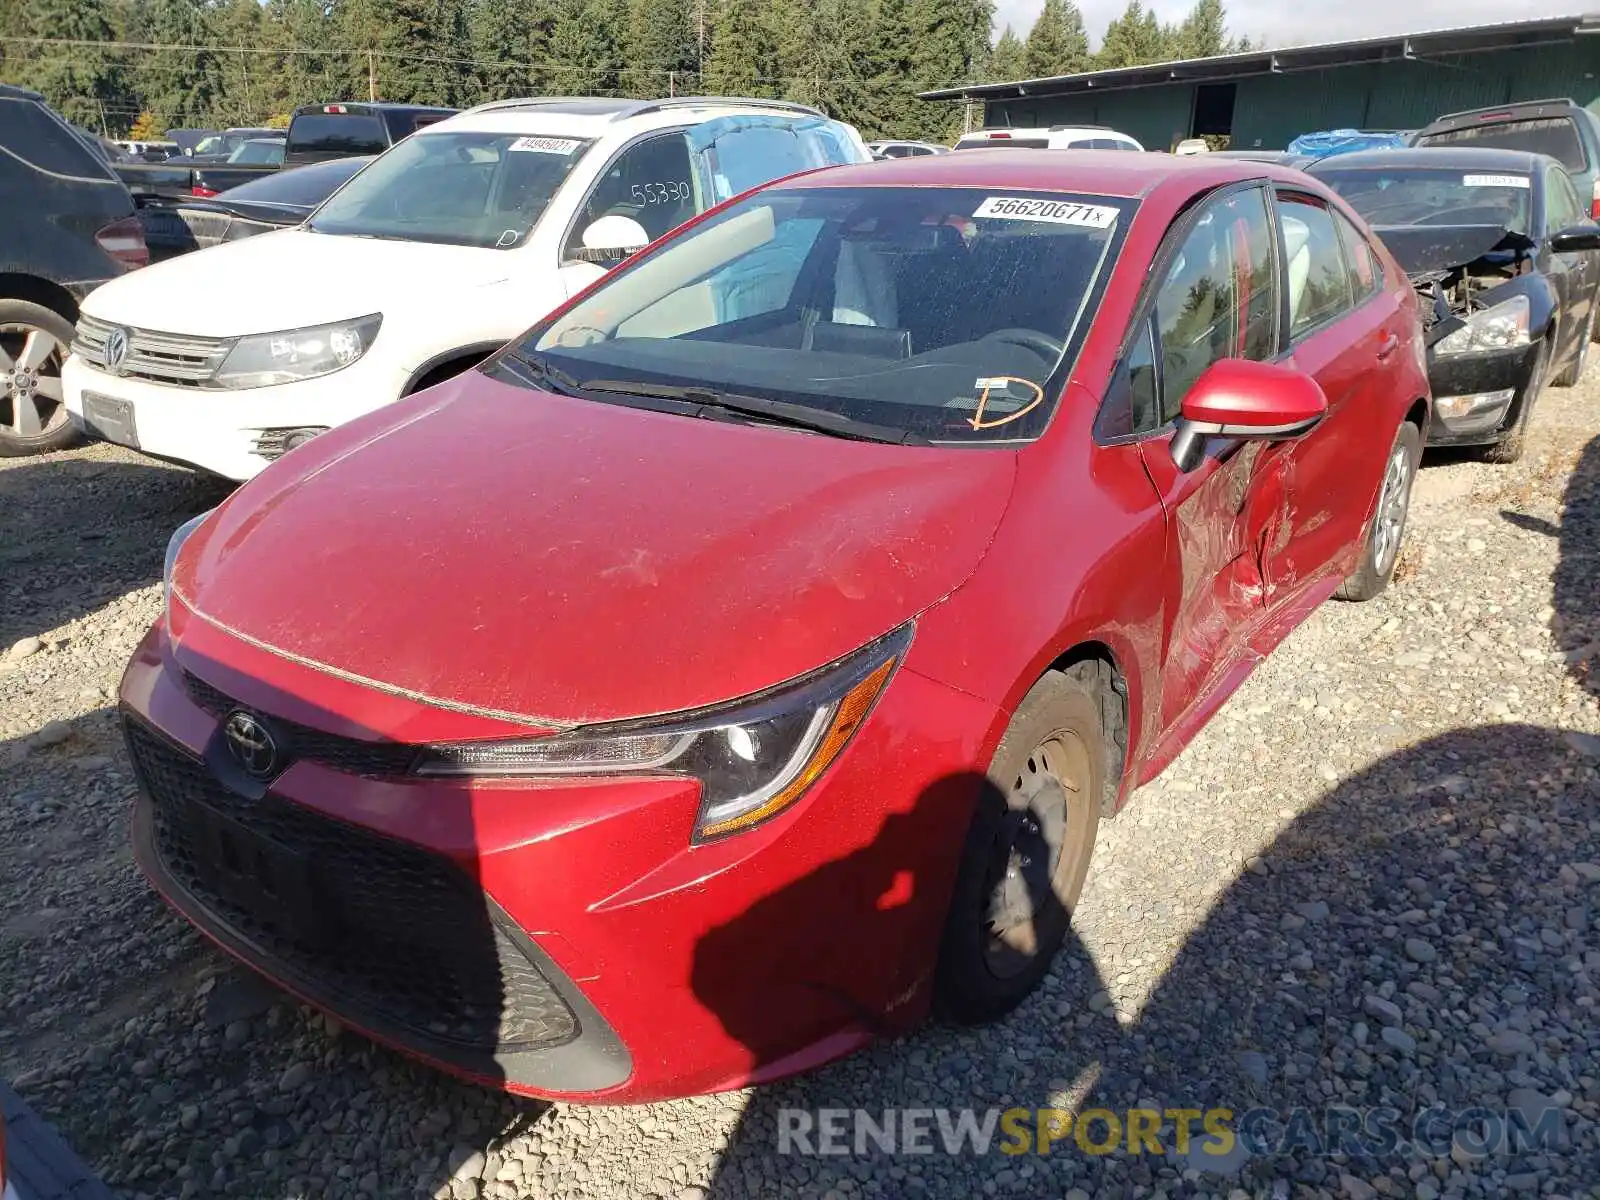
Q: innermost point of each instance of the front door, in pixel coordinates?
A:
(1219, 299)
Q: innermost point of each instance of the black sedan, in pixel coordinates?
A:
(1507, 263)
(274, 201)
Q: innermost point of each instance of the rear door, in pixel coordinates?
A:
(1347, 330)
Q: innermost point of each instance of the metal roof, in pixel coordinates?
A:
(1473, 39)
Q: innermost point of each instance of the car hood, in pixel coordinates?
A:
(1427, 250)
(289, 279)
(556, 561)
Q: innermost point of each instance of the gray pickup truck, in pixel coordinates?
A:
(316, 132)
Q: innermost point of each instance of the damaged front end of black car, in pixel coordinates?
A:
(1484, 313)
(1488, 318)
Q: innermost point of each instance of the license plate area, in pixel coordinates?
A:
(274, 885)
(110, 419)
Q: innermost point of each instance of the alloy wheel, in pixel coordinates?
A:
(31, 402)
(1028, 853)
(1393, 501)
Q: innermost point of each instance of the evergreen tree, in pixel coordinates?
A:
(431, 37)
(584, 48)
(292, 79)
(824, 54)
(241, 75)
(950, 41)
(1203, 32)
(660, 52)
(1009, 58)
(744, 58)
(1057, 44)
(511, 43)
(181, 86)
(80, 81)
(1133, 39)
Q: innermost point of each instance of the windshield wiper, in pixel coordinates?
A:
(540, 373)
(706, 401)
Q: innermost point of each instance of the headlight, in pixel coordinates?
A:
(753, 758)
(1499, 328)
(174, 544)
(268, 358)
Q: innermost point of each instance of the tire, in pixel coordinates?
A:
(1573, 371)
(33, 411)
(1028, 848)
(1380, 546)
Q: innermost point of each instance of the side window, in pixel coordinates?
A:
(1319, 284)
(650, 181)
(1220, 296)
(1365, 273)
(1562, 209)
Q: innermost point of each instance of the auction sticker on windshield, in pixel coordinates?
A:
(1061, 212)
(545, 145)
(1516, 181)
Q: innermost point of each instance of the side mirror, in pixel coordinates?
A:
(611, 239)
(1575, 238)
(1237, 398)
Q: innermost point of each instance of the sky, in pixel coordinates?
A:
(1298, 24)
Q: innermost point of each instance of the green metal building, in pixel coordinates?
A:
(1263, 98)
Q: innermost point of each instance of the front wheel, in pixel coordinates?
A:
(1029, 844)
(33, 345)
(1380, 549)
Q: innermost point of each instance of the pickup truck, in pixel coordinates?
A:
(316, 132)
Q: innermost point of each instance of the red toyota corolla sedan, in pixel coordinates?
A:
(739, 664)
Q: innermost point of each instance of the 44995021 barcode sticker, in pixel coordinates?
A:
(1060, 212)
(545, 145)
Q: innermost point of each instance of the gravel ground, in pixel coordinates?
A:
(1372, 881)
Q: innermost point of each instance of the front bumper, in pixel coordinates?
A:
(554, 939)
(1478, 398)
(220, 431)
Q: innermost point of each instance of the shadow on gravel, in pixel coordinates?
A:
(80, 532)
(1416, 940)
(1577, 579)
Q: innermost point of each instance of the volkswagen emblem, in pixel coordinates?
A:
(251, 745)
(116, 351)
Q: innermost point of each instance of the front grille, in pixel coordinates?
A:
(379, 929)
(162, 357)
(350, 755)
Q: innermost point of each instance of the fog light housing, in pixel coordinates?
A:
(1475, 412)
(272, 444)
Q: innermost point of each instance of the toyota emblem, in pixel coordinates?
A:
(251, 745)
(116, 351)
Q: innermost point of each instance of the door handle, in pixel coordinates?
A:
(1387, 345)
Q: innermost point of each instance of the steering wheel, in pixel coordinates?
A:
(1029, 339)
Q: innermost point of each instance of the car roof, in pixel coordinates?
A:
(1421, 158)
(11, 91)
(1092, 172)
(591, 117)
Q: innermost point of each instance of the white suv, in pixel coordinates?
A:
(427, 260)
(1057, 137)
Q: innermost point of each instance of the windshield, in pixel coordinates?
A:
(1407, 196)
(458, 189)
(258, 154)
(1555, 136)
(946, 314)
